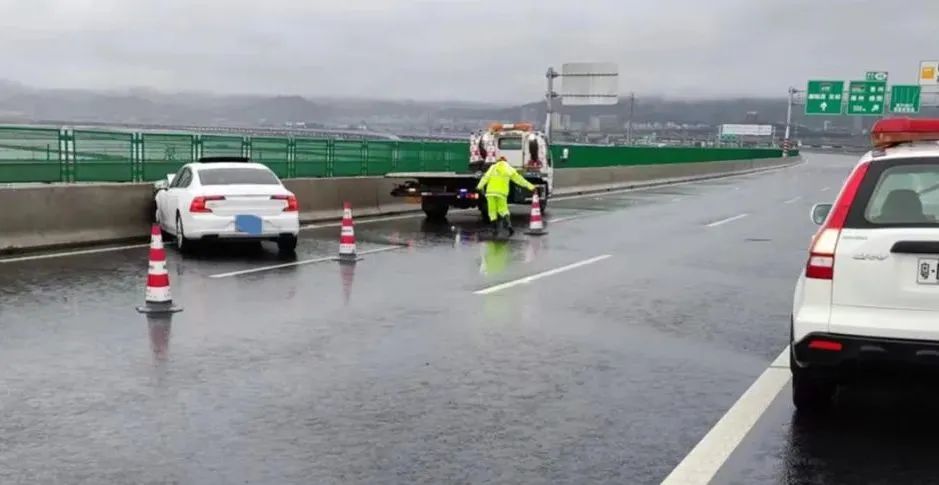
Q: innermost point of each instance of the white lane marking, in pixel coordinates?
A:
(725, 221)
(676, 199)
(794, 199)
(538, 276)
(709, 455)
(825, 189)
(566, 218)
(73, 253)
(297, 263)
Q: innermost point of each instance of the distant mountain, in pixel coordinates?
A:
(20, 103)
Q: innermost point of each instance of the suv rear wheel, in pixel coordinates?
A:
(810, 394)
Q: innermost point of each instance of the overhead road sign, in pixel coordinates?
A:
(867, 98)
(746, 130)
(929, 73)
(904, 98)
(876, 76)
(824, 97)
(589, 84)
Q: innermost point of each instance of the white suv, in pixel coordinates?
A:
(868, 300)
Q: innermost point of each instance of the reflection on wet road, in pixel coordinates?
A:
(394, 370)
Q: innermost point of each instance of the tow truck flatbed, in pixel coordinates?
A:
(435, 175)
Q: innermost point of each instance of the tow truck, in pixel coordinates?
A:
(523, 147)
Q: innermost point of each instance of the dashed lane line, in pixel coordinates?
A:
(793, 200)
(297, 263)
(710, 454)
(725, 221)
(538, 276)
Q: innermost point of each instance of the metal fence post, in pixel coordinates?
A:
(330, 156)
(364, 168)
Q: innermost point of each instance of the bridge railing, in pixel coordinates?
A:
(30, 154)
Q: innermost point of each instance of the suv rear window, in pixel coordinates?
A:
(237, 176)
(898, 193)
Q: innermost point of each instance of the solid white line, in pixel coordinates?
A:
(825, 189)
(794, 199)
(73, 253)
(709, 455)
(725, 221)
(297, 263)
(538, 276)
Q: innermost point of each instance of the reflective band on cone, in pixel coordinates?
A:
(347, 251)
(158, 297)
(535, 224)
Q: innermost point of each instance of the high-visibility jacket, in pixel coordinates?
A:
(496, 180)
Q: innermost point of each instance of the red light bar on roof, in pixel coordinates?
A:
(893, 131)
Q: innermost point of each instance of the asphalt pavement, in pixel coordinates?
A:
(599, 353)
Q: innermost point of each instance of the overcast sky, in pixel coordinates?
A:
(482, 50)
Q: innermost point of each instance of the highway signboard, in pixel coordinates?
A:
(904, 98)
(929, 73)
(823, 97)
(876, 76)
(866, 98)
(746, 130)
(589, 84)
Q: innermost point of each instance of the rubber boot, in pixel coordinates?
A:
(507, 223)
(495, 225)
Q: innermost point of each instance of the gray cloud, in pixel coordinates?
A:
(459, 49)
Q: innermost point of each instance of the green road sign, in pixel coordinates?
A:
(904, 98)
(866, 98)
(876, 76)
(823, 97)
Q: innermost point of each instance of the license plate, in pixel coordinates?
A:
(248, 224)
(927, 271)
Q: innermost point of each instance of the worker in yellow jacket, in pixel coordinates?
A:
(496, 185)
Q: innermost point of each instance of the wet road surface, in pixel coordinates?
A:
(433, 360)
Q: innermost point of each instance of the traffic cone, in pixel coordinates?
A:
(158, 298)
(535, 224)
(347, 252)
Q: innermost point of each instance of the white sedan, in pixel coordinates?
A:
(227, 198)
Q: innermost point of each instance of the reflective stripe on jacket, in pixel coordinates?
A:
(496, 180)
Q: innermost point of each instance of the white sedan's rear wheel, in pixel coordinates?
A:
(183, 245)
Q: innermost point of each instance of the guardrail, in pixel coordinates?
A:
(30, 154)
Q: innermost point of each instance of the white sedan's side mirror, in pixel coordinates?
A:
(820, 213)
(160, 185)
(169, 178)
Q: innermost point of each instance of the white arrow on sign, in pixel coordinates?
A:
(824, 105)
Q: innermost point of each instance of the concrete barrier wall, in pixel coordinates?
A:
(75, 214)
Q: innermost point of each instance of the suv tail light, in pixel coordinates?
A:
(198, 203)
(292, 205)
(821, 264)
